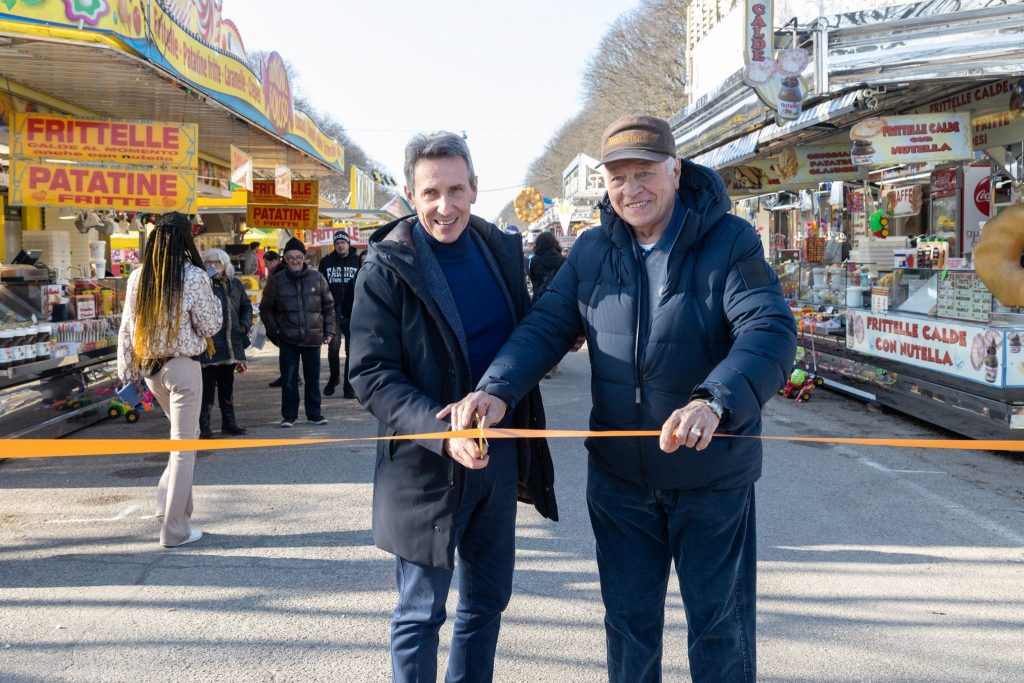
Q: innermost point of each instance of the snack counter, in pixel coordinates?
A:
(929, 343)
(58, 347)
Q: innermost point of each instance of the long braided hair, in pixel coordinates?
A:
(161, 289)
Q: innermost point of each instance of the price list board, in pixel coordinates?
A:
(962, 295)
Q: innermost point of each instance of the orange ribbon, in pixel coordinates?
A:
(59, 448)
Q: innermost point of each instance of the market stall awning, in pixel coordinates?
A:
(155, 69)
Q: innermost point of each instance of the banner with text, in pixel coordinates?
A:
(118, 188)
(796, 168)
(971, 352)
(997, 111)
(281, 217)
(143, 143)
(304, 192)
(911, 139)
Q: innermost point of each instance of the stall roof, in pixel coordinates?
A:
(923, 48)
(132, 88)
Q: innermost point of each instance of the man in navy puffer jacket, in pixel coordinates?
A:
(689, 333)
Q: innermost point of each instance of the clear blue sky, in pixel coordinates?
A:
(507, 73)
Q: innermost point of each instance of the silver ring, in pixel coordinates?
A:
(697, 431)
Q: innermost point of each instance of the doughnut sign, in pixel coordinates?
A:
(774, 77)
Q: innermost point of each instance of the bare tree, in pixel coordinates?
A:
(639, 66)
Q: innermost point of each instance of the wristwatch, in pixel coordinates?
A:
(715, 406)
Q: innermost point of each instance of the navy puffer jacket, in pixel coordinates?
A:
(721, 328)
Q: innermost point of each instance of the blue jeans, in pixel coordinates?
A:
(710, 535)
(484, 531)
(289, 361)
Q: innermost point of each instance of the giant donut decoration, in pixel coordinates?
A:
(997, 256)
(529, 205)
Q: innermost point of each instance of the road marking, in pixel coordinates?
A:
(978, 519)
(882, 468)
(121, 515)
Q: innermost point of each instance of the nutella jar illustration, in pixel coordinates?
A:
(1017, 96)
(1014, 340)
(791, 99)
(862, 153)
(991, 363)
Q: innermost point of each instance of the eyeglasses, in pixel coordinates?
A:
(211, 263)
(294, 259)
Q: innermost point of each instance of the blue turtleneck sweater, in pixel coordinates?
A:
(483, 308)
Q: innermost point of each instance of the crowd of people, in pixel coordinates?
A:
(687, 332)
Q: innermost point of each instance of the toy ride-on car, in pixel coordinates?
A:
(800, 384)
(129, 400)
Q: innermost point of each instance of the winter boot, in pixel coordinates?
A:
(228, 425)
(204, 423)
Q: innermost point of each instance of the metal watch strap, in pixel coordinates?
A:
(715, 406)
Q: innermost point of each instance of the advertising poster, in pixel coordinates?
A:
(37, 183)
(911, 139)
(972, 352)
(145, 143)
(997, 111)
(774, 77)
(283, 182)
(977, 202)
(1014, 359)
(241, 170)
(904, 201)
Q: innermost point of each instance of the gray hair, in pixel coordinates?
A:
(222, 256)
(439, 145)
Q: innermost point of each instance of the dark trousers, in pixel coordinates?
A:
(484, 532)
(290, 355)
(333, 354)
(219, 383)
(710, 535)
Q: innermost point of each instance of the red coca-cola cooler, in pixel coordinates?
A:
(961, 200)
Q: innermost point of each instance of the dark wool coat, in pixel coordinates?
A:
(721, 328)
(406, 365)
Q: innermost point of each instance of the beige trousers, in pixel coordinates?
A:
(178, 386)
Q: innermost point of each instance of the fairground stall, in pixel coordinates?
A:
(112, 113)
(871, 149)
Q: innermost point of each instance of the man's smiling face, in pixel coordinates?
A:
(643, 193)
(442, 193)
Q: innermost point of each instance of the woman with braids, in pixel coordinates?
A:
(170, 312)
(228, 345)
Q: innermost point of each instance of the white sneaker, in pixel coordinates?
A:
(287, 423)
(194, 536)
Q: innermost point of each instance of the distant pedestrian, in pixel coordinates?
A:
(339, 268)
(271, 261)
(298, 312)
(252, 259)
(229, 345)
(169, 314)
(547, 259)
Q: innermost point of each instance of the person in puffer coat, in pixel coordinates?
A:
(688, 333)
(228, 345)
(298, 312)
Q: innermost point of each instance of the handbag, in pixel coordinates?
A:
(258, 335)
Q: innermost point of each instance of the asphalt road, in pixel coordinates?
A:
(875, 564)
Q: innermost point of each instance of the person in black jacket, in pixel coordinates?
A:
(298, 312)
(688, 333)
(547, 259)
(438, 295)
(229, 345)
(339, 268)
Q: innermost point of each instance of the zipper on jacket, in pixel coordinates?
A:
(230, 326)
(638, 406)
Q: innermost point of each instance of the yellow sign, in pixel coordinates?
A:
(146, 143)
(915, 138)
(305, 192)
(36, 183)
(282, 217)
